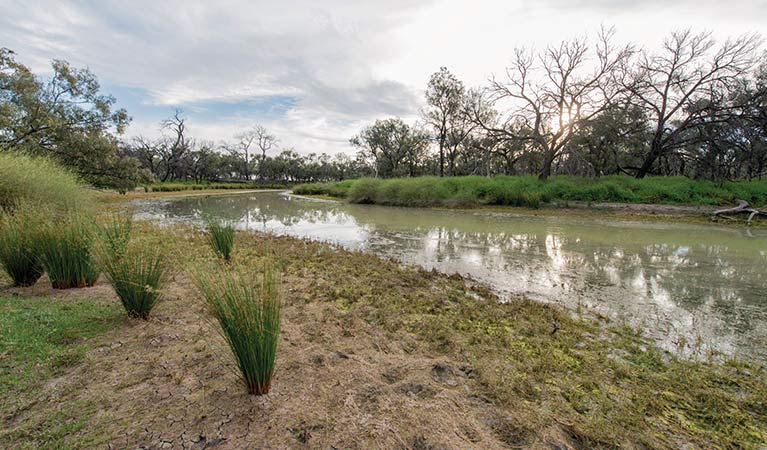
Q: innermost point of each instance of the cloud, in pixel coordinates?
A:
(313, 72)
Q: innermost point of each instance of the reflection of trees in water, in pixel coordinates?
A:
(646, 270)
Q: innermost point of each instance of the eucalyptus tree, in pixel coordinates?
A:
(685, 84)
(393, 145)
(549, 95)
(444, 98)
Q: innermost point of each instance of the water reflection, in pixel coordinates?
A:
(694, 288)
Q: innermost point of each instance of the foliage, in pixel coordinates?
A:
(19, 235)
(177, 186)
(530, 192)
(247, 308)
(221, 238)
(66, 251)
(64, 116)
(136, 273)
(38, 180)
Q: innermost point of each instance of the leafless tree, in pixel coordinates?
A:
(262, 139)
(174, 145)
(682, 85)
(548, 96)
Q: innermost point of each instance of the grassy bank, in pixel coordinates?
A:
(371, 355)
(190, 186)
(530, 192)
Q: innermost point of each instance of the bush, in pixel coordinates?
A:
(38, 180)
(247, 308)
(66, 251)
(221, 238)
(19, 236)
(136, 272)
(364, 191)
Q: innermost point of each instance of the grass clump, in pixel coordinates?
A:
(135, 269)
(38, 180)
(528, 191)
(66, 251)
(19, 235)
(136, 274)
(221, 238)
(247, 308)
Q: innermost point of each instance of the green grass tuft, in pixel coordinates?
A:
(528, 191)
(221, 238)
(66, 251)
(136, 273)
(38, 180)
(19, 237)
(247, 308)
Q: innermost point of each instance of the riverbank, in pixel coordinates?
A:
(372, 355)
(661, 196)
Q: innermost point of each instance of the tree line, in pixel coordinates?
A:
(692, 108)
(583, 107)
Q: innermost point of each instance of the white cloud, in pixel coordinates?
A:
(345, 62)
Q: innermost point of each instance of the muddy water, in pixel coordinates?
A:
(696, 289)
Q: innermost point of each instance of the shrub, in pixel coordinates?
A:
(19, 236)
(38, 180)
(136, 272)
(364, 190)
(66, 251)
(247, 308)
(221, 238)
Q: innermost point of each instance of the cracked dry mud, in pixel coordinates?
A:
(340, 383)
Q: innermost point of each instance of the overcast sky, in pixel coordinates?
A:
(314, 72)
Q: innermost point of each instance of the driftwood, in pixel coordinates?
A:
(742, 208)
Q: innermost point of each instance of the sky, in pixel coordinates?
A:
(314, 73)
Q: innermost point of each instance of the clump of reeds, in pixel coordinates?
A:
(20, 232)
(66, 251)
(247, 308)
(136, 274)
(136, 269)
(221, 238)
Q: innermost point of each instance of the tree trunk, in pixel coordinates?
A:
(656, 148)
(548, 160)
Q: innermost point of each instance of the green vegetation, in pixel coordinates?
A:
(191, 186)
(38, 180)
(247, 308)
(66, 251)
(40, 338)
(221, 238)
(136, 275)
(529, 191)
(19, 236)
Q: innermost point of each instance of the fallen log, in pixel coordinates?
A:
(742, 208)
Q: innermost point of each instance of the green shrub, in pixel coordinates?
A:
(364, 191)
(38, 180)
(66, 251)
(247, 308)
(221, 238)
(19, 242)
(136, 272)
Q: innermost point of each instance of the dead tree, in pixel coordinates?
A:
(742, 208)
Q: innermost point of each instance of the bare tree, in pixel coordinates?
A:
(174, 145)
(550, 95)
(680, 86)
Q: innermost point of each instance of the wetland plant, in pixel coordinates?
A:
(19, 236)
(221, 238)
(136, 272)
(66, 251)
(247, 309)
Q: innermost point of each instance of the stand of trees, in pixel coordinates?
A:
(694, 108)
